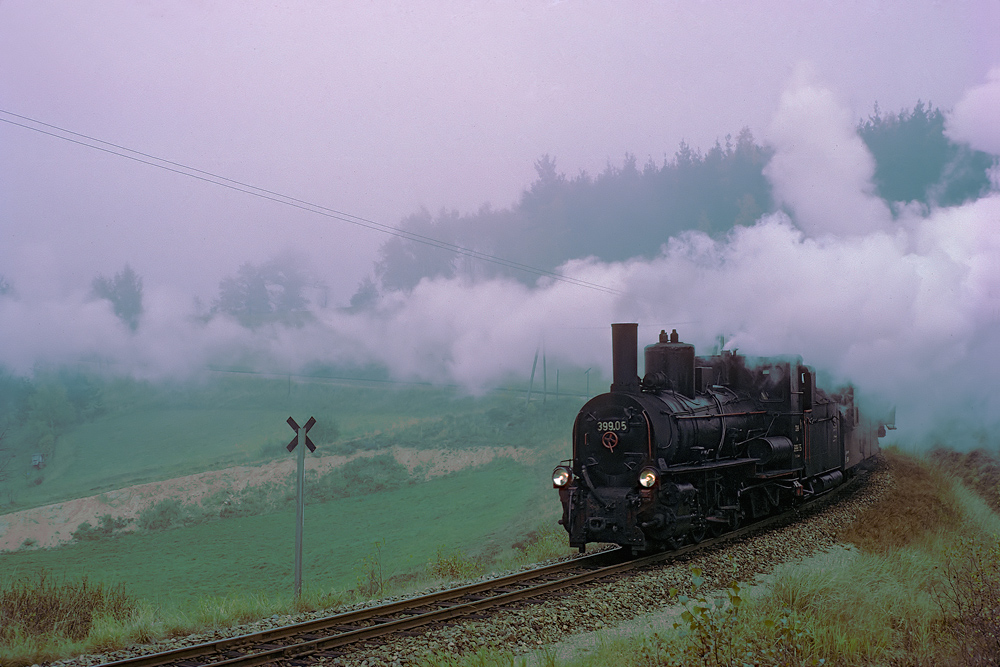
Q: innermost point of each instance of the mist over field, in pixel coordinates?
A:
(901, 298)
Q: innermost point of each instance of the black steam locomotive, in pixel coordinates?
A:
(701, 444)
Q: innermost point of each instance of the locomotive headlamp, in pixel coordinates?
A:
(561, 476)
(648, 477)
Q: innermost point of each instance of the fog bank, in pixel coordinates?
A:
(901, 301)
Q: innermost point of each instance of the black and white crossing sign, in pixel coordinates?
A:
(295, 427)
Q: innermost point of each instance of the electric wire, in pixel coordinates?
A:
(263, 193)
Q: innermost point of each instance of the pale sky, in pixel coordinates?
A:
(380, 108)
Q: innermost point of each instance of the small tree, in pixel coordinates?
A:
(265, 293)
(124, 291)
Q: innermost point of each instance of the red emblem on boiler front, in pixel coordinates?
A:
(610, 440)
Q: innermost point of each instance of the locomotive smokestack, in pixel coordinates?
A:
(624, 346)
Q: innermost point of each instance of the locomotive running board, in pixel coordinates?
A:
(710, 464)
(776, 474)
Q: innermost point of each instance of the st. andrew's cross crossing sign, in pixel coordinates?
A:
(295, 440)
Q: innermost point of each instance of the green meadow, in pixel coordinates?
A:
(480, 512)
(101, 434)
(372, 528)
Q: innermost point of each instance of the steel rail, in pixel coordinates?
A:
(355, 616)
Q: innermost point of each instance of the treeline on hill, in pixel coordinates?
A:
(629, 211)
(623, 212)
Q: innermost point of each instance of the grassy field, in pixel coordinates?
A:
(480, 512)
(130, 432)
(207, 571)
(229, 571)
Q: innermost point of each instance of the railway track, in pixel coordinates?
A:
(330, 637)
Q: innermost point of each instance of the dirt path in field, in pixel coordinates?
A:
(52, 525)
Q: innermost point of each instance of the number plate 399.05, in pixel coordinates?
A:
(616, 425)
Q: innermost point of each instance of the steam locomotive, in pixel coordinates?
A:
(701, 444)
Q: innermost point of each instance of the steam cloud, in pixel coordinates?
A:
(904, 303)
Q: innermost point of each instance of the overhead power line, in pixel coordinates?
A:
(64, 134)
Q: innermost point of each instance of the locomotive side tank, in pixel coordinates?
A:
(700, 443)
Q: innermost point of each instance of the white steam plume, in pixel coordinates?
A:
(975, 120)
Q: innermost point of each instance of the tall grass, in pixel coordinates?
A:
(40, 606)
(979, 470)
(921, 502)
(41, 618)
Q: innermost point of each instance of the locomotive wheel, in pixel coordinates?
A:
(697, 535)
(717, 528)
(674, 543)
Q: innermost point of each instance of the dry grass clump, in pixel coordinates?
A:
(979, 470)
(40, 607)
(920, 503)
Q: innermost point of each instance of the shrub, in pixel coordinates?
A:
(711, 635)
(257, 500)
(969, 595)
(454, 564)
(359, 477)
(162, 515)
(108, 525)
(85, 532)
(371, 580)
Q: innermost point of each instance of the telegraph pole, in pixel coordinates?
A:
(531, 381)
(545, 378)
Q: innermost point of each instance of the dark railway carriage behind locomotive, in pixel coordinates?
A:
(701, 444)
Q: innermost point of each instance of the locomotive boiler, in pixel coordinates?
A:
(700, 444)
